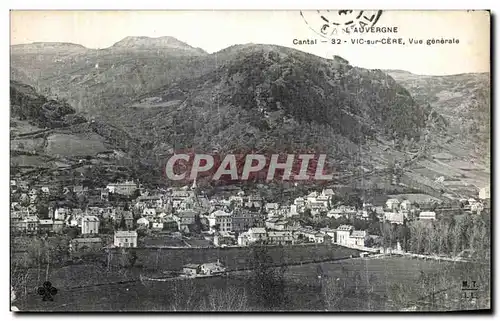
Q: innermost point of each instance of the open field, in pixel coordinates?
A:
(232, 257)
(72, 145)
(301, 286)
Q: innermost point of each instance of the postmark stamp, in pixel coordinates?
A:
(327, 23)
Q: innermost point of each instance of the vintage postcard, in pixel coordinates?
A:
(324, 160)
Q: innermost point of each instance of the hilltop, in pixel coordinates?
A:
(271, 97)
(149, 43)
(50, 140)
(252, 97)
(463, 100)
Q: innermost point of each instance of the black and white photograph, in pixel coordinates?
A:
(250, 161)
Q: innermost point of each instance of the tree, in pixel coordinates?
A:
(333, 291)
(42, 209)
(268, 286)
(132, 258)
(197, 226)
(71, 232)
(135, 194)
(307, 213)
(123, 224)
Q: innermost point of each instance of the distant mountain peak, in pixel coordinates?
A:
(143, 42)
(47, 46)
(398, 71)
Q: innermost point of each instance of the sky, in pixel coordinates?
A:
(216, 30)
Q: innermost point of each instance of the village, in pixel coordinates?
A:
(125, 215)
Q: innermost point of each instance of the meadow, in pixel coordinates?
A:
(368, 284)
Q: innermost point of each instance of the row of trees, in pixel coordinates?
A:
(451, 236)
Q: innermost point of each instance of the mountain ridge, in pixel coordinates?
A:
(129, 42)
(250, 96)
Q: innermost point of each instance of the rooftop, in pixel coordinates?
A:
(90, 218)
(191, 266)
(125, 233)
(358, 234)
(257, 230)
(87, 240)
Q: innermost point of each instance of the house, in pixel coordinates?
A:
(484, 193)
(328, 192)
(153, 201)
(254, 201)
(319, 238)
(357, 238)
(243, 239)
(223, 239)
(157, 226)
(33, 195)
(306, 233)
(178, 196)
(127, 217)
(293, 211)
(125, 239)
(343, 233)
(335, 213)
(318, 206)
(328, 231)
(126, 188)
(257, 234)
(300, 202)
(31, 224)
(212, 268)
(45, 226)
(368, 206)
(236, 200)
(220, 220)
(379, 211)
(75, 218)
(281, 225)
(184, 219)
(242, 220)
(149, 212)
(80, 189)
(73, 221)
(143, 222)
(280, 237)
(95, 211)
(109, 212)
(191, 269)
(392, 204)
(86, 244)
(170, 223)
(271, 208)
(394, 218)
(105, 194)
(58, 226)
(312, 197)
(406, 205)
(271, 222)
(477, 207)
(90, 225)
(427, 215)
(22, 184)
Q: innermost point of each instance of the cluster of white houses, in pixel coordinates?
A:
(238, 218)
(344, 235)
